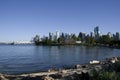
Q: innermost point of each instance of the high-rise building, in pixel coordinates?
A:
(92, 34)
(62, 35)
(114, 36)
(82, 35)
(110, 34)
(96, 32)
(117, 36)
(57, 34)
(51, 36)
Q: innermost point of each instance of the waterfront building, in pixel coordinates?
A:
(82, 36)
(117, 36)
(67, 36)
(57, 34)
(96, 32)
(114, 36)
(92, 34)
(51, 36)
(62, 35)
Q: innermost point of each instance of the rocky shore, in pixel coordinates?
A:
(82, 72)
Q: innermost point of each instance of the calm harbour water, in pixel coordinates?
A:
(17, 59)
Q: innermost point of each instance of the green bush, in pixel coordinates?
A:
(104, 75)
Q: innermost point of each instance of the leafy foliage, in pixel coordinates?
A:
(104, 75)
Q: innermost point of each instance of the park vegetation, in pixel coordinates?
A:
(104, 40)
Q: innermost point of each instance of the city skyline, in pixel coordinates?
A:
(96, 34)
(23, 19)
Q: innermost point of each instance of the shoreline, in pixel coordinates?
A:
(75, 44)
(87, 45)
(58, 74)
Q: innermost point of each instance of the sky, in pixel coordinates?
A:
(23, 19)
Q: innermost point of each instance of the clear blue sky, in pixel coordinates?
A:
(23, 19)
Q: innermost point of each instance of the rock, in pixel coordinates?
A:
(113, 61)
(56, 76)
(84, 71)
(2, 77)
(98, 67)
(94, 62)
(77, 66)
(118, 58)
(65, 74)
(51, 70)
(64, 71)
(30, 78)
(84, 66)
(48, 78)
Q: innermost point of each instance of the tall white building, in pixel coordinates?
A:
(57, 34)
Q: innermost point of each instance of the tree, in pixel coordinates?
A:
(105, 39)
(36, 40)
(74, 37)
(61, 40)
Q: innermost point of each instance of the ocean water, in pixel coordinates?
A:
(18, 59)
